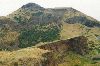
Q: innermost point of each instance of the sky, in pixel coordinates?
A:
(89, 7)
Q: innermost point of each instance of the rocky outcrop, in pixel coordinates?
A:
(77, 44)
(32, 6)
(59, 46)
(59, 49)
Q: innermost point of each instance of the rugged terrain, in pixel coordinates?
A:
(51, 54)
(33, 35)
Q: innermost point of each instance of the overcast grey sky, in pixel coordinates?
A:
(89, 7)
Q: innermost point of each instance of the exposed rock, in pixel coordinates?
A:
(32, 6)
(60, 48)
(77, 44)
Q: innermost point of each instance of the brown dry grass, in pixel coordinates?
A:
(71, 30)
(23, 56)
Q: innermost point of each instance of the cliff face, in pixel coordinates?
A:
(59, 46)
(77, 44)
(60, 49)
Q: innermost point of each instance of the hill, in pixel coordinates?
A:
(32, 25)
(65, 23)
(35, 14)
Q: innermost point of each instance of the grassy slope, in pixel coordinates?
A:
(27, 56)
(73, 59)
(8, 35)
(73, 30)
